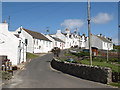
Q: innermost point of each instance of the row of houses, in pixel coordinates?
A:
(16, 44)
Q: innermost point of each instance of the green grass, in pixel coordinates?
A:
(97, 61)
(31, 56)
(115, 84)
(103, 64)
(68, 54)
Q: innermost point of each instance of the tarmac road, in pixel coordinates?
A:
(39, 74)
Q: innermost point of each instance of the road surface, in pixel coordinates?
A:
(39, 74)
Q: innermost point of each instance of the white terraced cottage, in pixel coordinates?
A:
(56, 42)
(11, 45)
(100, 42)
(36, 42)
(71, 39)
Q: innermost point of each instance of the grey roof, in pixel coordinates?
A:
(16, 35)
(104, 39)
(57, 39)
(36, 35)
(64, 34)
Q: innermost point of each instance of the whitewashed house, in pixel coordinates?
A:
(11, 46)
(56, 42)
(100, 42)
(36, 42)
(64, 37)
(83, 40)
(71, 39)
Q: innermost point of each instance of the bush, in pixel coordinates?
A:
(99, 59)
(74, 61)
(81, 54)
(113, 59)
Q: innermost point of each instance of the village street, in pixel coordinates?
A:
(39, 74)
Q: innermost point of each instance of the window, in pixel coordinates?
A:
(34, 41)
(55, 43)
(37, 42)
(104, 45)
(39, 47)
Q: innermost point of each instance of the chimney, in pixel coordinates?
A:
(110, 39)
(58, 31)
(84, 35)
(104, 36)
(67, 31)
(4, 21)
(20, 30)
(100, 35)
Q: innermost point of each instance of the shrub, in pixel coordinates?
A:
(81, 54)
(74, 61)
(99, 59)
(113, 59)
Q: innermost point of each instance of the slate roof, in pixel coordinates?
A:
(16, 35)
(104, 39)
(36, 35)
(57, 39)
(64, 34)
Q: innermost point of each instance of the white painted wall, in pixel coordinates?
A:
(67, 40)
(100, 44)
(10, 45)
(35, 45)
(25, 35)
(42, 46)
(56, 43)
(107, 46)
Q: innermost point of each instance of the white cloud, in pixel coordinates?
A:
(102, 18)
(72, 23)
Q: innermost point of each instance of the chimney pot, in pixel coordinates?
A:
(4, 21)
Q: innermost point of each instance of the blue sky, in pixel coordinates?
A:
(60, 15)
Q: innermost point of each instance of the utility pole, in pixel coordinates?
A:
(107, 52)
(89, 33)
(8, 22)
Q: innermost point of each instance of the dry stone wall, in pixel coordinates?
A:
(93, 73)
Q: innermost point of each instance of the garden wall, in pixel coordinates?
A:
(93, 73)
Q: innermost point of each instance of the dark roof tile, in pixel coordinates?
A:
(36, 35)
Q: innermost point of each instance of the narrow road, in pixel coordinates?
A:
(39, 74)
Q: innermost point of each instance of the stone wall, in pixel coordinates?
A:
(93, 73)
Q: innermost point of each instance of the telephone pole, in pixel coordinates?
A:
(89, 33)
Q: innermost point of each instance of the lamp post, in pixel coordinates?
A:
(89, 33)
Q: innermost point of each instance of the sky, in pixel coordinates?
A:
(40, 16)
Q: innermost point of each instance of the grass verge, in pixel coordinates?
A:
(31, 56)
(103, 64)
(115, 84)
